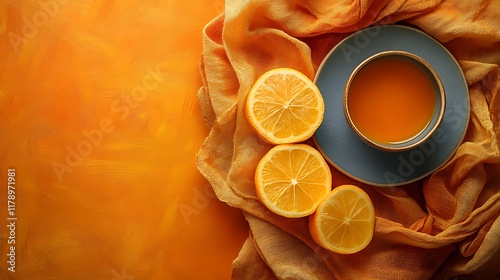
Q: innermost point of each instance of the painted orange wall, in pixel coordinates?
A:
(99, 118)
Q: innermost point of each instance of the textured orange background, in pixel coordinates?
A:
(99, 117)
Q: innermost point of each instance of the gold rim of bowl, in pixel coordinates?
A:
(399, 146)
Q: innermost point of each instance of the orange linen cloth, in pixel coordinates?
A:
(442, 226)
(126, 200)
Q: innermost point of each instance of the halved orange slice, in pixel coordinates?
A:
(284, 106)
(292, 179)
(344, 221)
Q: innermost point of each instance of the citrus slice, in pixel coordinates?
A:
(292, 179)
(344, 221)
(284, 106)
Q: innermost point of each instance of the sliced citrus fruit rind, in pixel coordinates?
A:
(344, 221)
(292, 179)
(284, 106)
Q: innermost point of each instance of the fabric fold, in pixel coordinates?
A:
(442, 226)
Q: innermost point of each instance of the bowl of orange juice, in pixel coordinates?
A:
(394, 100)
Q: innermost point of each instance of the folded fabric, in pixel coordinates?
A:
(442, 226)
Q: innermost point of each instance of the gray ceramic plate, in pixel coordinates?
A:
(348, 153)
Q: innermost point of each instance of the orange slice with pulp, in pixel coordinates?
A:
(344, 221)
(284, 106)
(292, 179)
